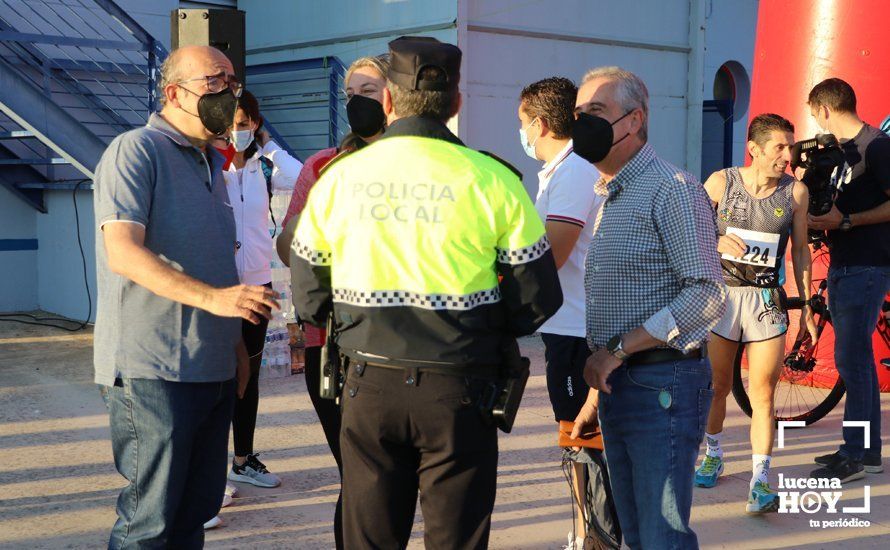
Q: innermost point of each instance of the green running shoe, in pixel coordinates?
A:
(710, 469)
(762, 499)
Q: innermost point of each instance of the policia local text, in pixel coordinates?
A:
(402, 202)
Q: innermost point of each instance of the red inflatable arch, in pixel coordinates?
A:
(799, 43)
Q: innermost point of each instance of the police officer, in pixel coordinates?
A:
(405, 239)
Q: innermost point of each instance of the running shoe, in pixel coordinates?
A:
(844, 469)
(870, 462)
(254, 472)
(762, 499)
(710, 469)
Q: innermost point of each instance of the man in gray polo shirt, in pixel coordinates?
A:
(168, 327)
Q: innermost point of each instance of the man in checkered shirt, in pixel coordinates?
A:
(654, 290)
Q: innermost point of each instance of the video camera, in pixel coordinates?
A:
(820, 157)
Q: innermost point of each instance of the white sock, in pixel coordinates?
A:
(713, 441)
(760, 468)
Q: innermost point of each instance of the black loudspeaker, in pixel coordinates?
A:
(222, 29)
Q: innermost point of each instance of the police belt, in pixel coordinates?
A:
(476, 371)
(664, 355)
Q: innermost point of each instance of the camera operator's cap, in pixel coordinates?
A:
(408, 55)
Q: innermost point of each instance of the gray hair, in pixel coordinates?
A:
(630, 92)
(170, 74)
(438, 105)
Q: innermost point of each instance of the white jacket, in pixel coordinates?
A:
(250, 203)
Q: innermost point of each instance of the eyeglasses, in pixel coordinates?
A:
(219, 82)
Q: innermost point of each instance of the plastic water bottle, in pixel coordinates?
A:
(297, 347)
(270, 366)
(264, 362)
(278, 354)
(284, 355)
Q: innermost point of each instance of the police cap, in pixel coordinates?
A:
(408, 55)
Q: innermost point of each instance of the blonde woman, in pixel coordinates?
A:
(365, 80)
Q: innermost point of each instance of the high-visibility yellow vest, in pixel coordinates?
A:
(429, 242)
(407, 237)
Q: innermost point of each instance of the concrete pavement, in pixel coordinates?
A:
(58, 484)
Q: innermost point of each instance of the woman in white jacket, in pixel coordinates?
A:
(260, 166)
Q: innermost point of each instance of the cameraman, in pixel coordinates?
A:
(858, 228)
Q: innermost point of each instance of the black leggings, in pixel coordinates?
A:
(329, 415)
(244, 417)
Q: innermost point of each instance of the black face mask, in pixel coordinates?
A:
(366, 117)
(216, 111)
(592, 137)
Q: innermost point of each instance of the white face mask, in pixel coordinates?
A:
(241, 139)
(529, 148)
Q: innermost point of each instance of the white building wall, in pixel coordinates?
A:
(729, 36)
(510, 45)
(506, 45)
(60, 278)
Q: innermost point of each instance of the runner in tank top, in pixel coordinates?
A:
(759, 207)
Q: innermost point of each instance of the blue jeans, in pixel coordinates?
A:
(170, 440)
(651, 449)
(855, 295)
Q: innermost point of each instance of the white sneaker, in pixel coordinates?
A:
(213, 523)
(227, 500)
(231, 490)
(576, 544)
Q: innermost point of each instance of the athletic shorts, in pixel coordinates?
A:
(753, 314)
(565, 357)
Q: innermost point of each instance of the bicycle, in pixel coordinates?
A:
(803, 393)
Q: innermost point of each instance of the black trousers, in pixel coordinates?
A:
(405, 431)
(329, 415)
(244, 417)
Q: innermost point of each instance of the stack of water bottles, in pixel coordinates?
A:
(277, 353)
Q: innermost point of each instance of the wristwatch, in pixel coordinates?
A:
(846, 223)
(616, 347)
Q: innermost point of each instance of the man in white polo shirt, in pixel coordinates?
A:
(568, 205)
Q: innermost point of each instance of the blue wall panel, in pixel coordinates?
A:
(18, 258)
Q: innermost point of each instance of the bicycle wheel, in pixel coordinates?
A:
(803, 392)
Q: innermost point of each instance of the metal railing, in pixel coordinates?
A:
(89, 56)
(76, 74)
(90, 59)
(337, 99)
(99, 63)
